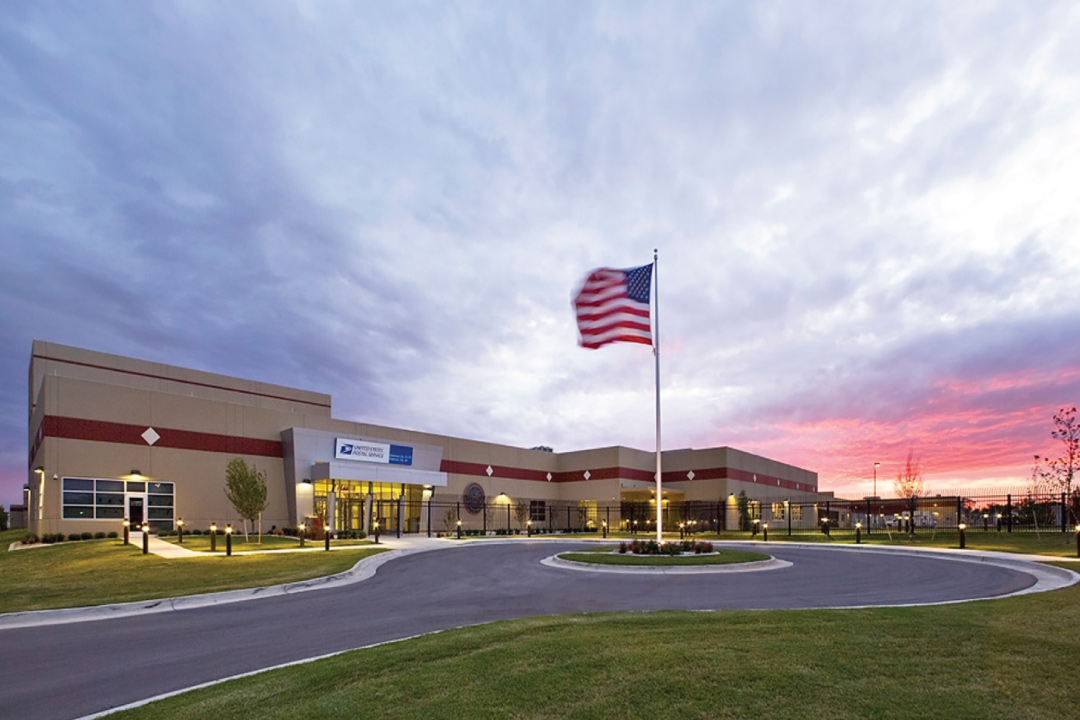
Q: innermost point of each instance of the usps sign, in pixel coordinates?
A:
(346, 449)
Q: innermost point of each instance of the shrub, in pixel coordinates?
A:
(99, 535)
(74, 536)
(86, 536)
(622, 548)
(112, 535)
(29, 539)
(195, 531)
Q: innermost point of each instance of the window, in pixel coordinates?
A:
(89, 499)
(778, 510)
(537, 511)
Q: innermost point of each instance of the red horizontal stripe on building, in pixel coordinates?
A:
(127, 434)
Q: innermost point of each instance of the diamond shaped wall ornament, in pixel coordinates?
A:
(587, 475)
(489, 471)
(690, 475)
(755, 477)
(150, 435)
(549, 477)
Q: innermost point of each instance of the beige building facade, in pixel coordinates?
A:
(113, 437)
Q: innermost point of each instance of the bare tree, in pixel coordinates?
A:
(909, 481)
(1055, 475)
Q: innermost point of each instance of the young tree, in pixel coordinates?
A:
(1055, 475)
(743, 505)
(245, 487)
(909, 482)
(521, 512)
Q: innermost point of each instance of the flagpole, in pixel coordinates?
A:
(656, 356)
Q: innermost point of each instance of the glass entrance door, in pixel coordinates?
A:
(136, 510)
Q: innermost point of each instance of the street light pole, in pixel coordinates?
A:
(876, 466)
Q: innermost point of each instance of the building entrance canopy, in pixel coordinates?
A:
(373, 472)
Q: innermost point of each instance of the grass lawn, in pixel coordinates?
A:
(96, 572)
(201, 543)
(989, 659)
(603, 556)
(1051, 544)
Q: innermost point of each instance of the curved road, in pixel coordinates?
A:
(59, 672)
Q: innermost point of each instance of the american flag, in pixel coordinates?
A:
(613, 306)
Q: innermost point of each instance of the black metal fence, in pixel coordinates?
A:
(1008, 512)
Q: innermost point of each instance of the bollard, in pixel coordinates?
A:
(127, 531)
(858, 533)
(528, 528)
(963, 536)
(145, 539)
(458, 529)
(180, 531)
(213, 537)
(377, 532)
(327, 533)
(1078, 541)
(605, 529)
(300, 530)
(228, 540)
(765, 531)
(682, 531)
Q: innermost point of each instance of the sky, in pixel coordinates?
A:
(866, 216)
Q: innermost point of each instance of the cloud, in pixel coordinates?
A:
(863, 213)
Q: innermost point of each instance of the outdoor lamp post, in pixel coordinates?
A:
(180, 530)
(999, 522)
(682, 530)
(765, 531)
(145, 539)
(963, 536)
(528, 527)
(605, 529)
(375, 526)
(757, 526)
(302, 528)
(213, 537)
(228, 540)
(986, 521)
(127, 531)
(459, 529)
(858, 533)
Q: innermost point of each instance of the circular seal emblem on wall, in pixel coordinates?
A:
(474, 498)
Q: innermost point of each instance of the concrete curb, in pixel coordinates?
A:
(362, 570)
(760, 565)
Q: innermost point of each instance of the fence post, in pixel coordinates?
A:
(483, 511)
(1064, 524)
(869, 518)
(507, 518)
(1008, 514)
(959, 510)
(789, 518)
